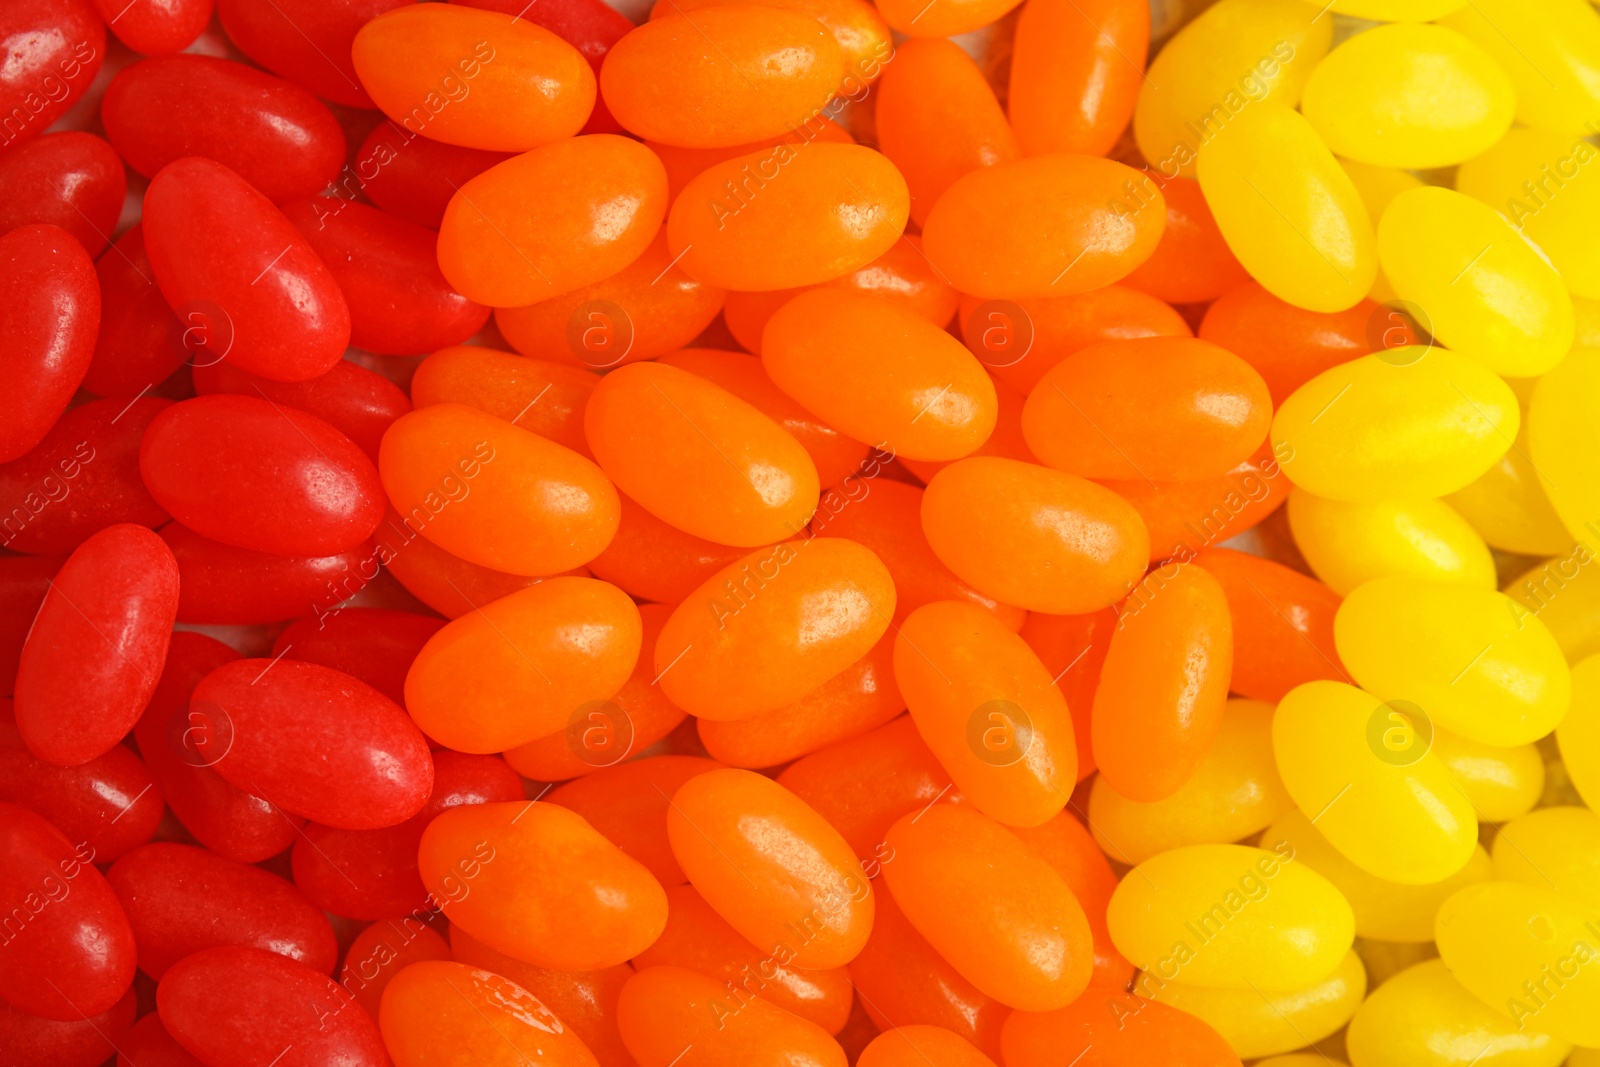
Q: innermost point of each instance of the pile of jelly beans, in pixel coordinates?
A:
(804, 533)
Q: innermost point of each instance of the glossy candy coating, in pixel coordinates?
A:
(83, 1041)
(534, 394)
(375, 645)
(1073, 649)
(72, 180)
(1066, 845)
(383, 950)
(1561, 428)
(1105, 1029)
(484, 1016)
(1558, 840)
(948, 20)
(1348, 544)
(65, 43)
(1282, 624)
(1287, 345)
(1075, 74)
(136, 346)
(664, 1011)
(650, 560)
(1500, 782)
(306, 41)
(1547, 50)
(628, 802)
(409, 175)
(1192, 262)
(223, 584)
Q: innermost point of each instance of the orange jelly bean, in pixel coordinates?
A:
(1113, 1029)
(772, 867)
(650, 560)
(382, 951)
(523, 666)
(1034, 537)
(921, 1046)
(937, 118)
(673, 1015)
(1164, 683)
(524, 230)
(1192, 264)
(773, 626)
(916, 18)
(1073, 649)
(495, 494)
(1001, 915)
(683, 164)
(788, 216)
(542, 396)
(1170, 408)
(699, 458)
(627, 803)
(448, 584)
(1183, 517)
(1076, 66)
(987, 708)
(1066, 845)
(541, 885)
(880, 373)
(721, 75)
(1088, 222)
(1287, 345)
(479, 79)
(1005, 442)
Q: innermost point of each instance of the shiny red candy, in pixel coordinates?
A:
(72, 180)
(49, 317)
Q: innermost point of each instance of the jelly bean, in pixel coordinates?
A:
(1234, 792)
(305, 41)
(411, 176)
(534, 394)
(1417, 423)
(1500, 783)
(1034, 537)
(495, 494)
(82, 1042)
(110, 803)
(1485, 670)
(1164, 681)
(448, 584)
(234, 1006)
(293, 327)
(542, 655)
(683, 164)
(24, 581)
(772, 867)
(1396, 11)
(157, 29)
(1282, 624)
(1547, 50)
(1260, 1024)
(1424, 1017)
(1237, 55)
(1509, 505)
(382, 951)
(373, 645)
(1348, 544)
(1511, 945)
(773, 626)
(1385, 959)
(1174, 916)
(949, 20)
(1192, 263)
(1182, 517)
(699, 939)
(272, 133)
(1552, 848)
(1073, 649)
(71, 180)
(61, 46)
(1067, 846)
(859, 698)
(83, 477)
(1314, 247)
(1561, 418)
(627, 803)
(315, 740)
(96, 647)
(912, 1046)
(1002, 916)
(1112, 1029)
(1363, 770)
(52, 312)
(201, 460)
(937, 118)
(664, 81)
(1287, 345)
(1580, 728)
(69, 952)
(224, 585)
(653, 561)
(1020, 349)
(1103, 218)
(1006, 442)
(988, 710)
(141, 342)
(837, 208)
(149, 1045)
(353, 400)
(1075, 74)
(537, 882)
(673, 1012)
(520, 232)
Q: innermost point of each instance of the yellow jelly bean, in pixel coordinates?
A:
(1485, 291)
(1409, 95)
(1385, 959)
(1363, 771)
(1379, 185)
(1233, 793)
(1565, 594)
(1287, 210)
(1499, 782)
(1564, 439)
(1423, 1017)
(1545, 185)
(1509, 505)
(1405, 424)
(1234, 56)
(1300, 1059)
(1470, 659)
(1528, 952)
(1261, 1023)
(1551, 51)
(1348, 544)
(1230, 916)
(1395, 10)
(1386, 912)
(1584, 1057)
(1579, 733)
(1587, 313)
(1552, 848)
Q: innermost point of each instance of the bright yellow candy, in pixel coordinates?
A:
(1233, 793)
(1565, 593)
(1261, 1023)
(1579, 733)
(1547, 185)
(1348, 544)
(1584, 1057)
(1564, 439)
(1300, 1059)
(1362, 770)
(1386, 912)
(1379, 185)
(1528, 952)
(1486, 292)
(1400, 425)
(1287, 210)
(1551, 51)
(1385, 959)
(1395, 10)
(1423, 1017)
(1510, 504)
(1468, 658)
(1409, 95)
(1587, 312)
(1499, 782)
(1234, 56)
(1230, 916)
(1552, 848)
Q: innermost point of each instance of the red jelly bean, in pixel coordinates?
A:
(315, 741)
(80, 1042)
(413, 177)
(149, 1045)
(49, 317)
(158, 27)
(235, 268)
(180, 899)
(23, 584)
(97, 645)
(62, 44)
(372, 644)
(69, 951)
(203, 461)
(141, 342)
(243, 1007)
(382, 951)
(306, 41)
(225, 585)
(71, 180)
